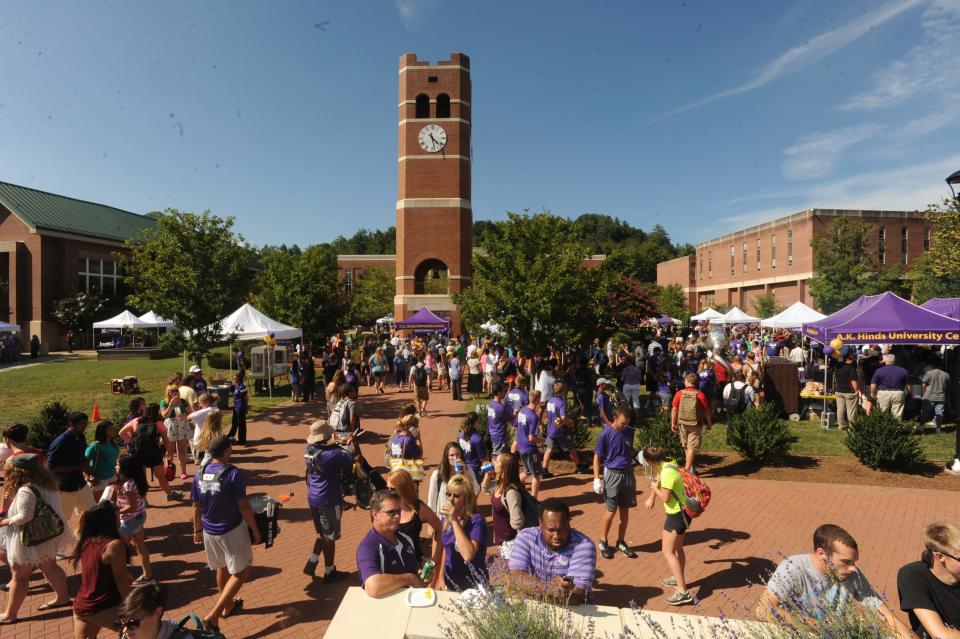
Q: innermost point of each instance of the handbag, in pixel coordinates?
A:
(170, 471)
(45, 525)
(412, 466)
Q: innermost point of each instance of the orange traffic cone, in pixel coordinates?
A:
(96, 413)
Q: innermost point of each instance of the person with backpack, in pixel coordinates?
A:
(223, 522)
(102, 557)
(344, 416)
(146, 439)
(506, 503)
(618, 485)
(690, 415)
(738, 397)
(558, 431)
(667, 484)
(326, 463)
(421, 385)
(37, 531)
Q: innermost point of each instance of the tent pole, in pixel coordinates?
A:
(230, 358)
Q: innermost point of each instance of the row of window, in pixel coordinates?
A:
(904, 244)
(423, 106)
(99, 276)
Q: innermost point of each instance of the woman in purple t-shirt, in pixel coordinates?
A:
(464, 538)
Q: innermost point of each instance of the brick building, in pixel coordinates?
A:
(776, 257)
(51, 246)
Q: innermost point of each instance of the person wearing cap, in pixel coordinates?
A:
(199, 383)
(326, 461)
(67, 459)
(27, 482)
(604, 405)
(888, 385)
(221, 519)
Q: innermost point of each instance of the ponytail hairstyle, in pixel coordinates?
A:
(469, 424)
(132, 469)
(212, 427)
(406, 422)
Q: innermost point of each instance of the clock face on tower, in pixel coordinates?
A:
(432, 138)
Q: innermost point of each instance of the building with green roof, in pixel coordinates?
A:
(52, 245)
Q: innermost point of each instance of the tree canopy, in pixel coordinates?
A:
(372, 297)
(937, 272)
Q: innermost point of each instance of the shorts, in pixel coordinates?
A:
(326, 521)
(676, 522)
(378, 374)
(935, 407)
(690, 437)
(232, 550)
(531, 464)
(102, 618)
(423, 393)
(496, 448)
(178, 431)
(620, 489)
(561, 443)
(130, 527)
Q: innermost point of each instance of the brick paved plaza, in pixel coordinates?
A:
(749, 524)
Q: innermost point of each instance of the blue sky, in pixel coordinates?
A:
(701, 116)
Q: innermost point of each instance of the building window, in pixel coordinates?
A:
(758, 255)
(882, 244)
(99, 276)
(443, 106)
(710, 265)
(790, 248)
(744, 257)
(701, 267)
(903, 245)
(773, 251)
(733, 257)
(423, 106)
(348, 279)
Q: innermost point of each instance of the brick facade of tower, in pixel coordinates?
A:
(434, 214)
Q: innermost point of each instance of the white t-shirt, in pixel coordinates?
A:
(545, 385)
(796, 355)
(197, 420)
(749, 392)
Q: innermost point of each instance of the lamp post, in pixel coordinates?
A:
(951, 180)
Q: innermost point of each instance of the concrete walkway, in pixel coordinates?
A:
(750, 524)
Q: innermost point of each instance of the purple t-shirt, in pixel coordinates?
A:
(405, 447)
(498, 415)
(577, 560)
(615, 448)
(377, 556)
(526, 426)
(890, 377)
(604, 407)
(473, 450)
(457, 573)
(632, 375)
(556, 407)
(517, 398)
(219, 513)
(323, 487)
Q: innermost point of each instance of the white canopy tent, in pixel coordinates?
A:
(155, 321)
(707, 315)
(794, 317)
(386, 319)
(734, 316)
(6, 327)
(125, 319)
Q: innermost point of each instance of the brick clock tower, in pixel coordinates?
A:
(434, 215)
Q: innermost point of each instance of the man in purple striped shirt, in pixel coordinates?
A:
(555, 556)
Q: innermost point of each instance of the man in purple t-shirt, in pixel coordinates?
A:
(499, 416)
(326, 462)
(387, 559)
(517, 398)
(223, 522)
(619, 485)
(525, 444)
(558, 431)
(888, 384)
(604, 405)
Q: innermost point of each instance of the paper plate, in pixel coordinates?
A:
(421, 597)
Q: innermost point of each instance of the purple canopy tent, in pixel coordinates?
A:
(885, 319)
(665, 320)
(949, 306)
(423, 320)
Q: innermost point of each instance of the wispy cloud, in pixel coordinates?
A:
(816, 155)
(413, 12)
(928, 68)
(815, 49)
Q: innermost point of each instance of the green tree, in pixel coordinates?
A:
(77, 310)
(766, 305)
(672, 301)
(372, 296)
(843, 264)
(190, 268)
(937, 272)
(638, 259)
(532, 284)
(301, 288)
(367, 242)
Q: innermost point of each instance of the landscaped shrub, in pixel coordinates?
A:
(881, 440)
(656, 432)
(760, 434)
(51, 421)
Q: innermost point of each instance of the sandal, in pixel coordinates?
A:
(5, 622)
(55, 604)
(237, 607)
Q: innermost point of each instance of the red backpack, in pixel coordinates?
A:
(696, 493)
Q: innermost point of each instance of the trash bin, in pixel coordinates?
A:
(781, 385)
(224, 392)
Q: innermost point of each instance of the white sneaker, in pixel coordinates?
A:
(954, 468)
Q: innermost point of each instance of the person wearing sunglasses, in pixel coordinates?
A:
(141, 615)
(929, 589)
(387, 559)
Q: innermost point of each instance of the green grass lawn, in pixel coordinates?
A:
(82, 382)
(813, 440)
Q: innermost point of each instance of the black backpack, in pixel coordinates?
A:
(736, 402)
(420, 376)
(530, 507)
(145, 444)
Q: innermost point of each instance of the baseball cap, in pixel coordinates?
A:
(26, 460)
(195, 369)
(603, 380)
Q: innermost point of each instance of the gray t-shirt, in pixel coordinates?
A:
(802, 588)
(936, 382)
